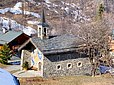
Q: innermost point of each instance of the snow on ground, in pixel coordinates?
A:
(16, 10)
(33, 22)
(5, 23)
(32, 13)
(47, 1)
(68, 8)
(48, 5)
(29, 31)
(35, 14)
(76, 14)
(18, 5)
(73, 5)
(67, 4)
(55, 11)
(3, 11)
(16, 26)
(55, 5)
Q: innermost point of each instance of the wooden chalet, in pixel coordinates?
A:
(14, 39)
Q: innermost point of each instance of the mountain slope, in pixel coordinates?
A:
(60, 14)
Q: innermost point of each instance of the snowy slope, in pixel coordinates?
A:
(16, 10)
(15, 26)
(63, 9)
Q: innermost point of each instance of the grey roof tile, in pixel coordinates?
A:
(60, 42)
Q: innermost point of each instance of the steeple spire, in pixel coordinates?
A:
(43, 27)
(43, 16)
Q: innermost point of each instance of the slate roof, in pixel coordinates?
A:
(44, 24)
(9, 36)
(58, 43)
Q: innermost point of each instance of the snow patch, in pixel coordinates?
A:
(67, 4)
(35, 14)
(33, 22)
(73, 5)
(16, 10)
(3, 11)
(5, 23)
(47, 1)
(55, 11)
(29, 31)
(48, 5)
(55, 5)
(18, 5)
(16, 26)
(67, 9)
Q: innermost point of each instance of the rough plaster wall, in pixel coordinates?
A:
(28, 56)
(25, 56)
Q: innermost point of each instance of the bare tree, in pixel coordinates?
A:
(96, 37)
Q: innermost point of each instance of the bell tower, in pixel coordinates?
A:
(43, 27)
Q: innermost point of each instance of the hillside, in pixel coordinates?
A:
(60, 14)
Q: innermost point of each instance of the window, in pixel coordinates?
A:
(69, 65)
(44, 31)
(79, 64)
(58, 67)
(39, 31)
(39, 66)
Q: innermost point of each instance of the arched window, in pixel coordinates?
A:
(44, 31)
(39, 66)
(39, 31)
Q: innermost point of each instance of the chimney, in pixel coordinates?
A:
(10, 25)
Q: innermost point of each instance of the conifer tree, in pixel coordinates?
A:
(5, 54)
(101, 11)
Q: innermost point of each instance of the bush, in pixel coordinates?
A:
(25, 65)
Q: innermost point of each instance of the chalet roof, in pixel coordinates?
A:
(57, 43)
(9, 36)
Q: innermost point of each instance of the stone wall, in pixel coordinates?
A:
(66, 64)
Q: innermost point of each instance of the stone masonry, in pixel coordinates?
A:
(66, 64)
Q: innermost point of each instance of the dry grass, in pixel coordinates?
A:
(14, 71)
(70, 80)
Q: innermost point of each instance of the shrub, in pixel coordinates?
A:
(25, 65)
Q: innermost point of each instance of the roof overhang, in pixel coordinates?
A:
(64, 50)
(24, 44)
